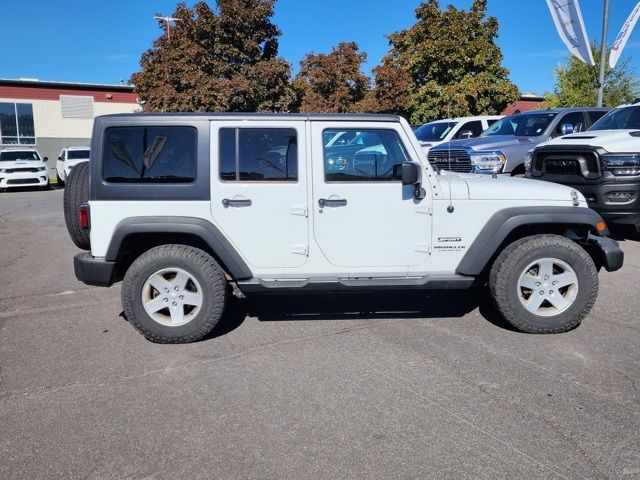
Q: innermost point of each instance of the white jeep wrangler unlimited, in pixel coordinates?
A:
(185, 208)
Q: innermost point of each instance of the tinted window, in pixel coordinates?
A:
(474, 127)
(492, 121)
(595, 115)
(434, 131)
(12, 155)
(150, 154)
(620, 118)
(371, 160)
(16, 124)
(77, 154)
(258, 154)
(574, 119)
(522, 124)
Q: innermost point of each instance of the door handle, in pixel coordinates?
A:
(236, 202)
(332, 202)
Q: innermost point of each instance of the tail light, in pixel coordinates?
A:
(84, 216)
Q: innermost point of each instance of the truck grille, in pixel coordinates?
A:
(18, 170)
(452, 160)
(22, 181)
(563, 162)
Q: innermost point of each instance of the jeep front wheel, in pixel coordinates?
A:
(544, 284)
(174, 294)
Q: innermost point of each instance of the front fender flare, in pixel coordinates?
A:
(505, 221)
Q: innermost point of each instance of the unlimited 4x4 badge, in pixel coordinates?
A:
(449, 244)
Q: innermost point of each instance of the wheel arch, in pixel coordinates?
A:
(511, 224)
(134, 236)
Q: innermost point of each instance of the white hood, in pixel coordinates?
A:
(22, 164)
(485, 187)
(615, 141)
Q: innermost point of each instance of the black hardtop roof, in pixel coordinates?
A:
(332, 117)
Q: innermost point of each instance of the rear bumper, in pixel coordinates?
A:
(94, 271)
(612, 256)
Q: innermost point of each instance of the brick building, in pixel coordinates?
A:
(53, 115)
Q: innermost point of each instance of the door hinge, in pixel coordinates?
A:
(300, 249)
(422, 247)
(424, 209)
(300, 210)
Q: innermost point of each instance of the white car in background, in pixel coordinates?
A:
(67, 159)
(440, 131)
(22, 167)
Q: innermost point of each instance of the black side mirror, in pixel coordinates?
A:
(409, 173)
(465, 134)
(45, 159)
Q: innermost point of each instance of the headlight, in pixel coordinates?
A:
(487, 162)
(621, 164)
(2, 170)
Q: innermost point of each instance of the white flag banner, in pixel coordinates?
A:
(623, 36)
(567, 16)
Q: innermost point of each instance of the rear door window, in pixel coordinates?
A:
(258, 155)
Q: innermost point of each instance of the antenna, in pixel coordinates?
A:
(450, 208)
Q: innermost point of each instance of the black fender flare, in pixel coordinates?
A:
(505, 221)
(198, 227)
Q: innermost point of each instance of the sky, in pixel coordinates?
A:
(101, 41)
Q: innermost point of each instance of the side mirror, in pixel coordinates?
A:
(578, 128)
(61, 159)
(465, 134)
(45, 159)
(407, 172)
(566, 129)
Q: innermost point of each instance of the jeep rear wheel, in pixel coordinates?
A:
(174, 294)
(544, 284)
(76, 192)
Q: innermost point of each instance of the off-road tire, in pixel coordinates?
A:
(506, 270)
(197, 263)
(76, 192)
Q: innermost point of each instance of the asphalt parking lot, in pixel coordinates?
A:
(389, 387)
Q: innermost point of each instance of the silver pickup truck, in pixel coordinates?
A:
(503, 147)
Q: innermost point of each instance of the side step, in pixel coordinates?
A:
(428, 282)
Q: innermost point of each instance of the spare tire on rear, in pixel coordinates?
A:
(76, 192)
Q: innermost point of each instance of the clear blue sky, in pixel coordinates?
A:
(101, 41)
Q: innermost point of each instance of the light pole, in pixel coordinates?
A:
(168, 21)
(603, 53)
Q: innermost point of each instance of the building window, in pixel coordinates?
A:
(16, 124)
(76, 106)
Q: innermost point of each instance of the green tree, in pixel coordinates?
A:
(217, 60)
(332, 82)
(447, 64)
(577, 83)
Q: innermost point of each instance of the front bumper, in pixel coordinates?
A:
(611, 256)
(599, 195)
(94, 271)
(17, 180)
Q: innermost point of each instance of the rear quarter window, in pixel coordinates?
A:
(150, 154)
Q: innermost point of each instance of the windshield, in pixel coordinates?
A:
(434, 131)
(619, 119)
(523, 125)
(77, 154)
(13, 155)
